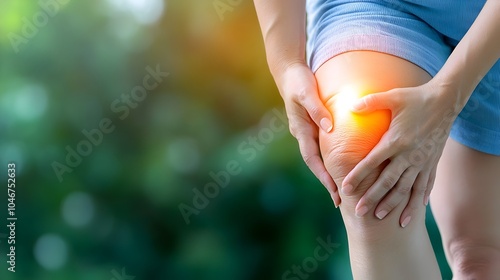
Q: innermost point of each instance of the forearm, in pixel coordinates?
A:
(283, 24)
(473, 57)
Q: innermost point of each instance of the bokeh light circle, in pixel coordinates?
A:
(51, 251)
(30, 102)
(183, 155)
(78, 209)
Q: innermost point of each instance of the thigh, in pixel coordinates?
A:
(465, 199)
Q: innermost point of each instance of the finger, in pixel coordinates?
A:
(384, 184)
(430, 185)
(306, 133)
(380, 153)
(317, 110)
(415, 201)
(309, 150)
(375, 101)
(398, 193)
(299, 120)
(336, 198)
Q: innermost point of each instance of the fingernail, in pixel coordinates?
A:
(426, 200)
(347, 189)
(406, 221)
(381, 214)
(326, 125)
(359, 105)
(361, 211)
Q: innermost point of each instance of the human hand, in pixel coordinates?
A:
(306, 112)
(421, 121)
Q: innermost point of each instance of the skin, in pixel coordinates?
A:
(285, 36)
(468, 219)
(425, 107)
(352, 138)
(386, 183)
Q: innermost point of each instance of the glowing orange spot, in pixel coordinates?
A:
(344, 100)
(370, 126)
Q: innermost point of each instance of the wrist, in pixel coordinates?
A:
(279, 67)
(288, 72)
(452, 91)
(295, 79)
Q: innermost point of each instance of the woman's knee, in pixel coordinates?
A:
(468, 219)
(340, 80)
(349, 76)
(474, 259)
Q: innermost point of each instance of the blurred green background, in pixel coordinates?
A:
(68, 66)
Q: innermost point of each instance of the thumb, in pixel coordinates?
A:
(318, 112)
(373, 102)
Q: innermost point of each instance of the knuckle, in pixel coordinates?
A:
(313, 111)
(429, 189)
(404, 188)
(369, 201)
(386, 185)
(293, 130)
(296, 130)
(301, 95)
(400, 141)
(370, 99)
(324, 177)
(420, 191)
(388, 182)
(371, 163)
(308, 159)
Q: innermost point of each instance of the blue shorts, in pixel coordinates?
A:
(423, 32)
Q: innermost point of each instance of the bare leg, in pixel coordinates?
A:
(465, 203)
(378, 249)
